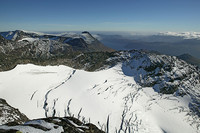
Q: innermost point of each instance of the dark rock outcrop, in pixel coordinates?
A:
(53, 124)
(10, 115)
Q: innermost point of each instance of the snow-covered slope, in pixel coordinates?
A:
(119, 99)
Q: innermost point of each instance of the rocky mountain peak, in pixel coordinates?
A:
(86, 32)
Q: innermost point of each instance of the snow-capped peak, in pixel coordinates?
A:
(87, 37)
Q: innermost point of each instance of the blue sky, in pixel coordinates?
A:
(100, 15)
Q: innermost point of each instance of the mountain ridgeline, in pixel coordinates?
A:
(50, 44)
(22, 47)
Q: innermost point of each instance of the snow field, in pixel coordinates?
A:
(107, 97)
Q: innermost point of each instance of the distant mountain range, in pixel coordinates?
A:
(40, 44)
(23, 46)
(170, 43)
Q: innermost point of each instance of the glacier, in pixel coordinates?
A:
(109, 98)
